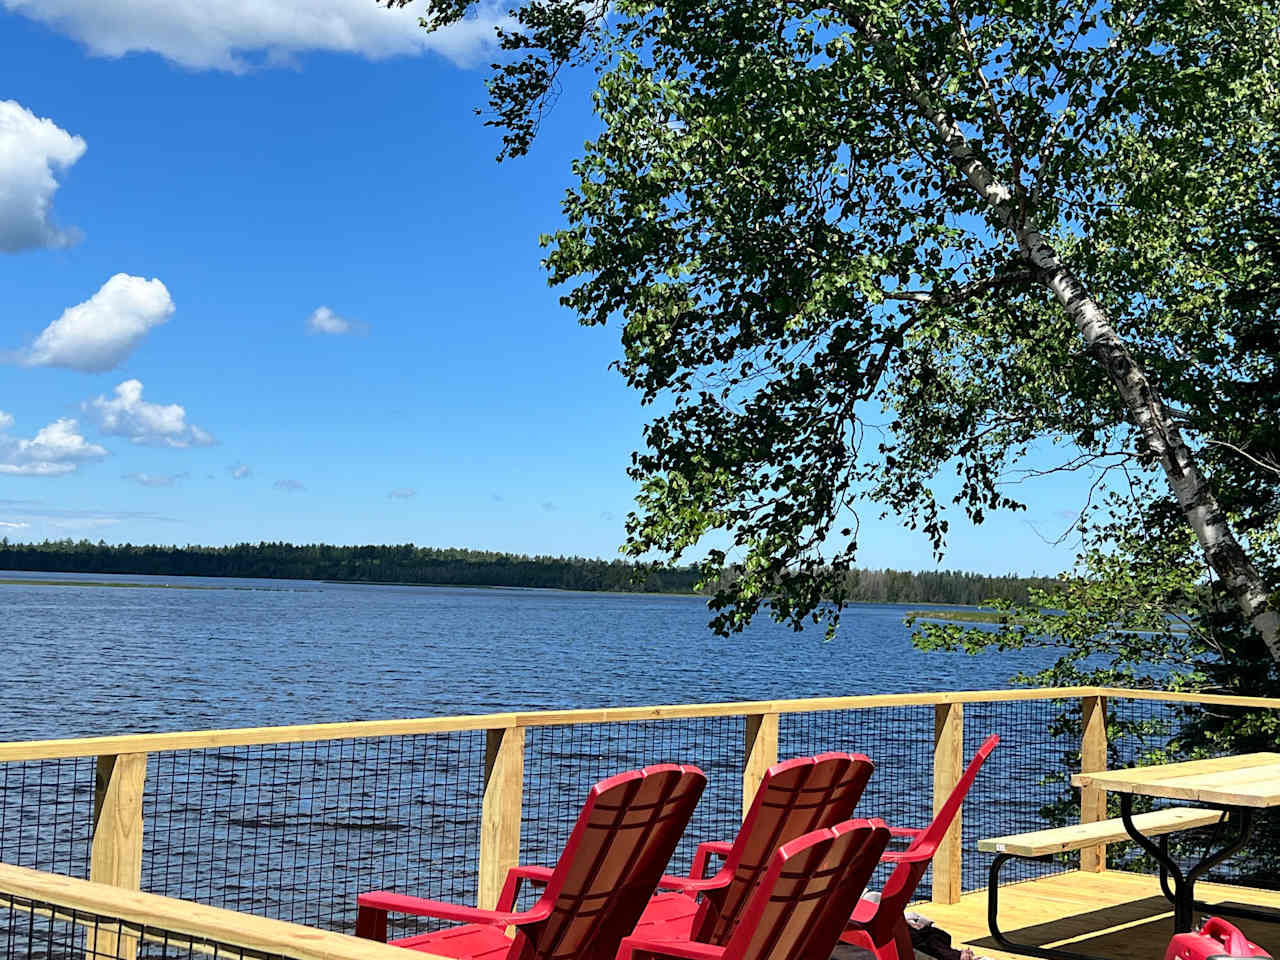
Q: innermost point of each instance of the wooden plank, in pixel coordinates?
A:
(1119, 779)
(759, 754)
(1214, 699)
(1115, 914)
(1039, 843)
(192, 919)
(115, 855)
(256, 736)
(242, 737)
(500, 811)
(1093, 757)
(1255, 781)
(948, 765)
(743, 708)
(1246, 778)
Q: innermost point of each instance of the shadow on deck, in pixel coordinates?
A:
(1117, 915)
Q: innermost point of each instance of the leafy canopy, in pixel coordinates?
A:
(827, 318)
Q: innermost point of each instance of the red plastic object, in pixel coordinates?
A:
(626, 833)
(798, 909)
(1216, 939)
(795, 797)
(881, 927)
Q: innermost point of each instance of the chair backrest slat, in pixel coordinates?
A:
(902, 882)
(812, 884)
(795, 797)
(610, 867)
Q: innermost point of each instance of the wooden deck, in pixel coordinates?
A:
(1117, 915)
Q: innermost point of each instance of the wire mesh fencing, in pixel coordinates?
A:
(562, 762)
(1023, 784)
(294, 831)
(898, 740)
(36, 930)
(46, 814)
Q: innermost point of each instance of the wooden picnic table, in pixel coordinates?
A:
(1239, 786)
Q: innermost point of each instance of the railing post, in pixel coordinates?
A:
(1093, 757)
(760, 752)
(115, 855)
(500, 812)
(948, 762)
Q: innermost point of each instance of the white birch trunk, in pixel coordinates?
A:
(1160, 434)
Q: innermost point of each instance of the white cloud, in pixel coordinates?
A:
(288, 486)
(96, 335)
(14, 525)
(155, 424)
(402, 493)
(239, 471)
(155, 480)
(57, 449)
(324, 320)
(33, 151)
(235, 35)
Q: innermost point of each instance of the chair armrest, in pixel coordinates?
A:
(532, 873)
(693, 885)
(387, 902)
(898, 834)
(705, 851)
(678, 949)
(906, 856)
(511, 886)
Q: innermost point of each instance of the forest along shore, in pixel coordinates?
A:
(433, 566)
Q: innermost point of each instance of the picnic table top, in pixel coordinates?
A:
(1246, 780)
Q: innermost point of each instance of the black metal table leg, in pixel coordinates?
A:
(1164, 869)
(1182, 896)
(1183, 902)
(993, 901)
(1245, 818)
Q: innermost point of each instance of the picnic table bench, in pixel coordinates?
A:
(1044, 844)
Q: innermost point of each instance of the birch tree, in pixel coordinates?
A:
(874, 254)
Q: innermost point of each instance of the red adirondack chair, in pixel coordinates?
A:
(881, 927)
(795, 797)
(625, 834)
(798, 909)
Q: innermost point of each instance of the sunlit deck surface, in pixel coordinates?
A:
(1117, 915)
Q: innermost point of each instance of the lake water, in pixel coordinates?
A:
(97, 660)
(295, 831)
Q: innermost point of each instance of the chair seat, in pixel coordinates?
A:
(469, 940)
(668, 916)
(864, 911)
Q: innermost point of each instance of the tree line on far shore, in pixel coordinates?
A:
(407, 563)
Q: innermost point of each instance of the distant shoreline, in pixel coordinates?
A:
(408, 565)
(32, 582)
(122, 584)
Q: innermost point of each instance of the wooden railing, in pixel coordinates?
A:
(116, 919)
(117, 836)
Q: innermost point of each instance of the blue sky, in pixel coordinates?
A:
(262, 163)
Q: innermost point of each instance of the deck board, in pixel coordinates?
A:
(1113, 914)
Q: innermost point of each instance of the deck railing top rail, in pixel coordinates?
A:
(79, 899)
(24, 750)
